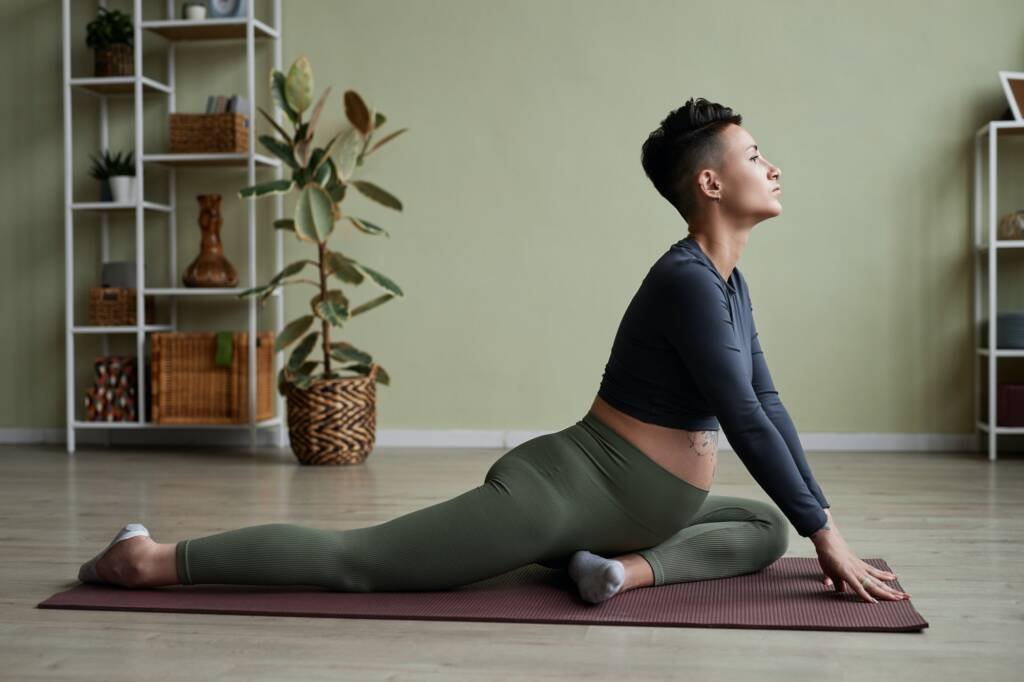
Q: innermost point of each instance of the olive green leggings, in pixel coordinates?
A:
(584, 487)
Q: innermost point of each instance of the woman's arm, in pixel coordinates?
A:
(768, 395)
(701, 329)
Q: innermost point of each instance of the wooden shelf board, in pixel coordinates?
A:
(210, 159)
(206, 29)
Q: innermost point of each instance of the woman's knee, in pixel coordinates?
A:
(777, 536)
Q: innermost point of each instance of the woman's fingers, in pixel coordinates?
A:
(859, 589)
(884, 575)
(886, 592)
(877, 572)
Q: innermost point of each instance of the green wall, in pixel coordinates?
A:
(529, 223)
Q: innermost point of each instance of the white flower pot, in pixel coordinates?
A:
(123, 188)
(195, 12)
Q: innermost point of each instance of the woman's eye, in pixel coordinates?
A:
(752, 158)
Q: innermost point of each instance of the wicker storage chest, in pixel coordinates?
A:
(189, 387)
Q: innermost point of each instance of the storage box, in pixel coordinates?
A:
(116, 306)
(1010, 401)
(189, 387)
(209, 133)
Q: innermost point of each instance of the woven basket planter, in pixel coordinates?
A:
(334, 421)
(115, 60)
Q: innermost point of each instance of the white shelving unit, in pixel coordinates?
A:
(989, 132)
(172, 31)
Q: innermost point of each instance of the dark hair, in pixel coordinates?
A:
(686, 140)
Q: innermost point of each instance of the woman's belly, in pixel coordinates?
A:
(690, 455)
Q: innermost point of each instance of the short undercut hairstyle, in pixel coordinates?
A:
(686, 141)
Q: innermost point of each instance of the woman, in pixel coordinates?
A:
(622, 497)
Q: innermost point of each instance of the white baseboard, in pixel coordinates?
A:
(470, 438)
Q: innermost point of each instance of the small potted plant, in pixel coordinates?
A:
(331, 417)
(111, 35)
(116, 175)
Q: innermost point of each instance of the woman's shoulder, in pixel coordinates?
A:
(682, 272)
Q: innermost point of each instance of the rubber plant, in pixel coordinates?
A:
(322, 176)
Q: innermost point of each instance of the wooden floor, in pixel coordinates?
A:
(951, 525)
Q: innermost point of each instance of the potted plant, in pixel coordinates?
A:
(111, 34)
(116, 175)
(331, 416)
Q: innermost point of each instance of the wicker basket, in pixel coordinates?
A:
(209, 133)
(116, 306)
(188, 387)
(334, 421)
(117, 59)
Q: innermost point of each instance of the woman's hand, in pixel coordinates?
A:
(842, 567)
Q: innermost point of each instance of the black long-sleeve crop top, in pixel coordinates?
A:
(686, 355)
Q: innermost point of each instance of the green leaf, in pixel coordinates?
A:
(291, 269)
(302, 351)
(292, 331)
(370, 305)
(333, 307)
(303, 380)
(284, 224)
(298, 86)
(346, 352)
(307, 368)
(381, 279)
(277, 126)
(314, 218)
(350, 145)
(277, 87)
(322, 154)
(282, 186)
(379, 119)
(385, 140)
(280, 149)
(382, 375)
(377, 194)
(366, 226)
(315, 117)
(335, 313)
(256, 290)
(335, 188)
(343, 268)
(323, 172)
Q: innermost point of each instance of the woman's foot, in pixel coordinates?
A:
(596, 578)
(133, 559)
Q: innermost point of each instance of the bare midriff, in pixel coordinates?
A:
(690, 455)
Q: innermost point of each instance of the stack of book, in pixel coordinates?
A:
(220, 104)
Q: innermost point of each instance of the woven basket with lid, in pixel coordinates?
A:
(334, 421)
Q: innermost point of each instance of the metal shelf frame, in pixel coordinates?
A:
(987, 138)
(172, 31)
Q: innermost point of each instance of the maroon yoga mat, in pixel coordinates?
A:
(788, 595)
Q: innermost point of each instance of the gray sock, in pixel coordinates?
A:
(596, 577)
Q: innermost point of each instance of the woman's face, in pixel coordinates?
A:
(748, 183)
